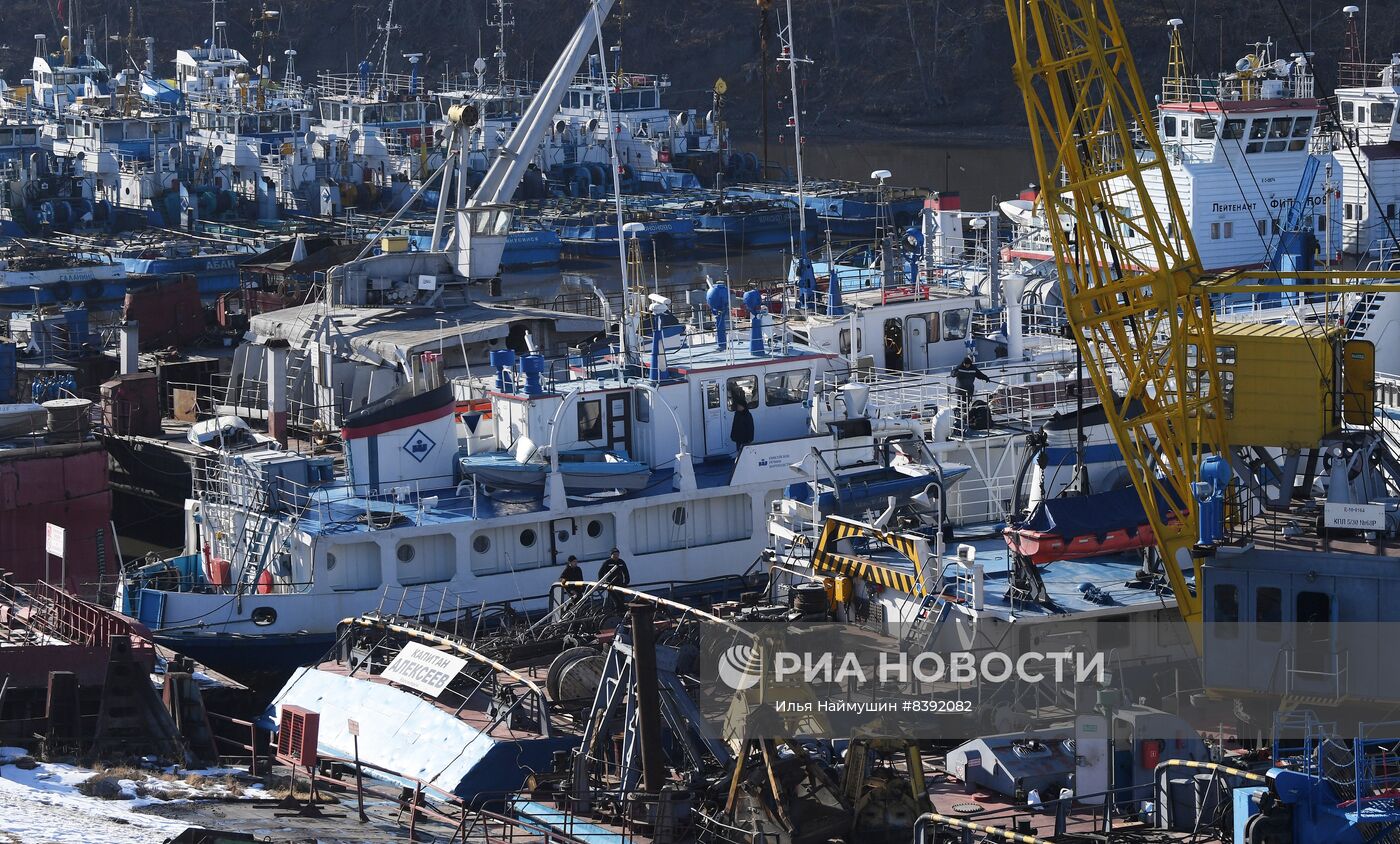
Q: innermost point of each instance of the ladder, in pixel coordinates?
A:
(932, 611)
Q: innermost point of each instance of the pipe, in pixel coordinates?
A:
(648, 694)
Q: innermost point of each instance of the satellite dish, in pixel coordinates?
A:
(633, 228)
(1351, 10)
(882, 175)
(1175, 22)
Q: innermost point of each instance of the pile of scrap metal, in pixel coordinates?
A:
(691, 765)
(76, 678)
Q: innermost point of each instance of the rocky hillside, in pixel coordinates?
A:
(920, 65)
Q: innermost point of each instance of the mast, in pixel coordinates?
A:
(806, 278)
(501, 24)
(614, 165)
(789, 57)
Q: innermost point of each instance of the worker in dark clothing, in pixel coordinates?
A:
(614, 573)
(966, 375)
(741, 431)
(572, 573)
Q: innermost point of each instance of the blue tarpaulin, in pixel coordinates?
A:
(1097, 514)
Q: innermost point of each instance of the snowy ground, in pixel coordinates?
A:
(44, 806)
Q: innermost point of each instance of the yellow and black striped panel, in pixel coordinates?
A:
(837, 529)
(1216, 766)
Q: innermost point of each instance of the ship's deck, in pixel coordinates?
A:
(337, 509)
(1113, 575)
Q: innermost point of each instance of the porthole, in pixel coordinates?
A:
(481, 544)
(595, 529)
(527, 538)
(263, 616)
(406, 553)
(562, 536)
(330, 562)
(678, 515)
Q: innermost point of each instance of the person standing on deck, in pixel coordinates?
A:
(966, 375)
(741, 431)
(614, 573)
(572, 573)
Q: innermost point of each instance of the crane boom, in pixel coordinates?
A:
(1129, 279)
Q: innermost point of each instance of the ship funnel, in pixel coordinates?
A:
(533, 368)
(718, 299)
(503, 360)
(753, 301)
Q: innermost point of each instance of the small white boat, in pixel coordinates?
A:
(16, 420)
(228, 433)
(584, 470)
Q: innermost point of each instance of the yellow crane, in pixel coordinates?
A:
(1136, 297)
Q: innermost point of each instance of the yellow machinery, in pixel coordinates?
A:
(1135, 294)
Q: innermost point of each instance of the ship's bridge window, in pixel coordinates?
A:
(1227, 611)
(1279, 127)
(590, 420)
(1348, 110)
(780, 388)
(113, 132)
(1268, 613)
(372, 114)
(1169, 126)
(1234, 130)
(137, 131)
(1382, 113)
(744, 388)
(1360, 113)
(1301, 127)
(1258, 131)
(1205, 129)
(955, 323)
(574, 99)
(393, 113)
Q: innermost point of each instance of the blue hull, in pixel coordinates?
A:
(531, 250)
(741, 230)
(217, 274)
(242, 656)
(59, 293)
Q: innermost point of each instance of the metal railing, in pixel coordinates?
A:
(1364, 74)
(1197, 89)
(1307, 680)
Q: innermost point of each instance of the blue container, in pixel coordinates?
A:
(76, 322)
